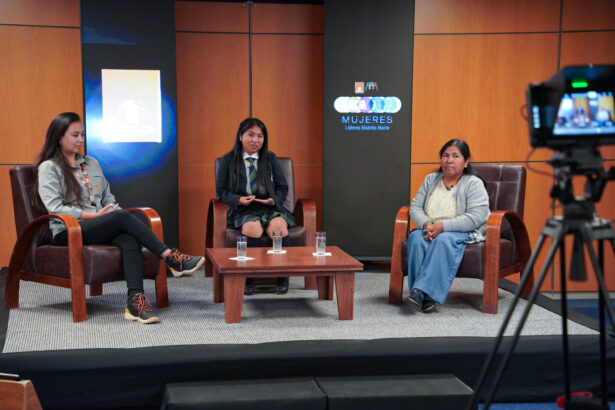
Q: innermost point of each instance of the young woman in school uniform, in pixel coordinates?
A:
(251, 182)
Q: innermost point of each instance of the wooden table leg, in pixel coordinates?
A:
(218, 286)
(344, 288)
(324, 284)
(233, 297)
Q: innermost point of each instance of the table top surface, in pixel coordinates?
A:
(296, 258)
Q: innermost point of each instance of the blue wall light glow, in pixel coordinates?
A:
(122, 161)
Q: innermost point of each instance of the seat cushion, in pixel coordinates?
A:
(472, 263)
(101, 263)
(297, 237)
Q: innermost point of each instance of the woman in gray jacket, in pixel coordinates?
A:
(451, 208)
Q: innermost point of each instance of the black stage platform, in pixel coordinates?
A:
(136, 378)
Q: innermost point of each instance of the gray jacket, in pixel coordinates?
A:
(52, 191)
(472, 204)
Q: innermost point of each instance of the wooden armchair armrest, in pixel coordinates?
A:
(400, 232)
(153, 219)
(492, 245)
(216, 224)
(305, 215)
(75, 261)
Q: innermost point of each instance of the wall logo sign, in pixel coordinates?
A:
(366, 113)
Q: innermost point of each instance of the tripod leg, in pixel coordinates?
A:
(598, 271)
(601, 303)
(564, 307)
(558, 240)
(524, 278)
(604, 302)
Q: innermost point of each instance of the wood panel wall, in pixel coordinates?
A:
(224, 70)
(472, 63)
(40, 76)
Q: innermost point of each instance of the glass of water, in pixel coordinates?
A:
(277, 242)
(321, 242)
(242, 247)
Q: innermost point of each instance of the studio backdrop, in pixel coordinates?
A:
(367, 122)
(128, 51)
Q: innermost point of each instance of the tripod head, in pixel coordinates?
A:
(579, 160)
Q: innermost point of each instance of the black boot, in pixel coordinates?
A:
(281, 286)
(250, 288)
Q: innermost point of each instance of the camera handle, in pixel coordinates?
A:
(584, 230)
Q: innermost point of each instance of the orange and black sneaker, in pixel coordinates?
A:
(181, 264)
(139, 309)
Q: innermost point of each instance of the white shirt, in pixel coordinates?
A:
(442, 204)
(247, 165)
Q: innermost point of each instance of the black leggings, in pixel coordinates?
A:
(128, 232)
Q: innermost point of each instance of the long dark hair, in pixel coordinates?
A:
(52, 150)
(263, 168)
(464, 148)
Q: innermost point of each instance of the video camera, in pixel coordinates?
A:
(575, 107)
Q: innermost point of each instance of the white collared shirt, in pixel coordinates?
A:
(247, 166)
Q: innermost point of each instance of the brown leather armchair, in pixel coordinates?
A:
(72, 266)
(218, 235)
(507, 246)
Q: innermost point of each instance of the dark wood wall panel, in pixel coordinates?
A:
(473, 87)
(196, 188)
(288, 97)
(287, 78)
(40, 12)
(588, 15)
(40, 76)
(486, 16)
(211, 16)
(287, 18)
(590, 48)
(7, 220)
(212, 94)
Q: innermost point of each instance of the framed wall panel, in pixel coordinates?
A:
(486, 16)
(473, 87)
(287, 94)
(588, 15)
(8, 235)
(196, 187)
(212, 94)
(590, 48)
(63, 13)
(308, 185)
(287, 18)
(231, 17)
(40, 75)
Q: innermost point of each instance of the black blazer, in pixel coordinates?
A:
(225, 192)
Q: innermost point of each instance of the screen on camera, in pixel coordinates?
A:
(585, 113)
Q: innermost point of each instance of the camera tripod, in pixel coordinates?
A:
(578, 221)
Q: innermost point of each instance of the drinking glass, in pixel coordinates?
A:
(242, 247)
(321, 242)
(277, 242)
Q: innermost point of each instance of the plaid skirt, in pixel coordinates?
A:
(257, 212)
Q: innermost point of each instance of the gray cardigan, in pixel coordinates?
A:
(472, 205)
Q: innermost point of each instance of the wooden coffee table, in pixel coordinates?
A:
(230, 275)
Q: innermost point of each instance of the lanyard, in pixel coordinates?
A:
(86, 181)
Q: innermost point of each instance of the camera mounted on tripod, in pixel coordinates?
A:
(572, 113)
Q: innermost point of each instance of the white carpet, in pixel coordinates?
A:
(43, 320)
